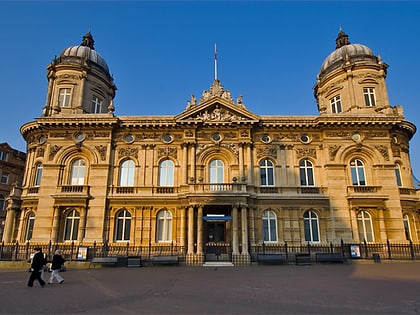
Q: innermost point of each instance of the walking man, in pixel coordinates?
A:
(38, 262)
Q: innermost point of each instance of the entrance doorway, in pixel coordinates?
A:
(217, 235)
(216, 232)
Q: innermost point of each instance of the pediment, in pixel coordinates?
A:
(216, 105)
(217, 110)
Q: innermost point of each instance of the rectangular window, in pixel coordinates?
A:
(96, 105)
(398, 176)
(369, 94)
(336, 104)
(4, 178)
(3, 156)
(64, 97)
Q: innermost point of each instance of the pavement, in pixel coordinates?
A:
(383, 288)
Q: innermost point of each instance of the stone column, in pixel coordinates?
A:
(200, 230)
(235, 245)
(82, 227)
(193, 161)
(244, 226)
(9, 225)
(241, 161)
(185, 163)
(190, 230)
(182, 228)
(250, 164)
(55, 224)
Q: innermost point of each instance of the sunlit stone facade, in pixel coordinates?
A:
(216, 173)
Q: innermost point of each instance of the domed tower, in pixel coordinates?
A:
(79, 82)
(352, 81)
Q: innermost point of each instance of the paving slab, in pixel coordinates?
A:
(386, 288)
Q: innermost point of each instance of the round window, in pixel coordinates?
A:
(265, 139)
(216, 137)
(304, 138)
(79, 137)
(42, 139)
(167, 138)
(129, 138)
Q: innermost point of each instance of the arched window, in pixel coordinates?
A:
(267, 173)
(357, 172)
(407, 229)
(127, 169)
(78, 171)
(269, 222)
(30, 226)
(306, 173)
(123, 226)
(364, 223)
(166, 173)
(71, 226)
(216, 174)
(311, 226)
(2, 203)
(164, 226)
(38, 174)
(398, 175)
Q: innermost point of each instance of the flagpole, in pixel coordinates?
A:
(215, 62)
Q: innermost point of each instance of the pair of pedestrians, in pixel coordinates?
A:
(37, 266)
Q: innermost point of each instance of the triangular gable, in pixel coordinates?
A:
(216, 105)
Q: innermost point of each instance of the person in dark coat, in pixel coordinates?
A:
(56, 264)
(38, 262)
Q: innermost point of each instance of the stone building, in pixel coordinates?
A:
(216, 174)
(12, 168)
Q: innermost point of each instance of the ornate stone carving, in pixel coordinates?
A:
(339, 134)
(40, 152)
(268, 151)
(384, 151)
(167, 151)
(218, 114)
(232, 147)
(332, 150)
(308, 152)
(128, 152)
(53, 151)
(216, 89)
(102, 151)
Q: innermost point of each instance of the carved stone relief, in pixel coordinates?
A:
(102, 151)
(167, 151)
(270, 151)
(53, 151)
(128, 152)
(302, 152)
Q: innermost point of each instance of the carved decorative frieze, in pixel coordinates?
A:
(167, 151)
(102, 151)
(339, 134)
(124, 152)
(53, 151)
(267, 151)
(218, 114)
(306, 152)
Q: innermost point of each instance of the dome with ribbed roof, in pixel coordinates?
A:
(85, 52)
(346, 52)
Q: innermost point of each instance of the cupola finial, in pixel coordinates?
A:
(88, 40)
(342, 39)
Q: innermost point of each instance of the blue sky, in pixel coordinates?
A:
(162, 52)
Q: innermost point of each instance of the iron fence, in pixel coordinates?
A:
(80, 251)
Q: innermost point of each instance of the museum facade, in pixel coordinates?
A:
(217, 175)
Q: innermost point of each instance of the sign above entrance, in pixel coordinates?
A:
(217, 217)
